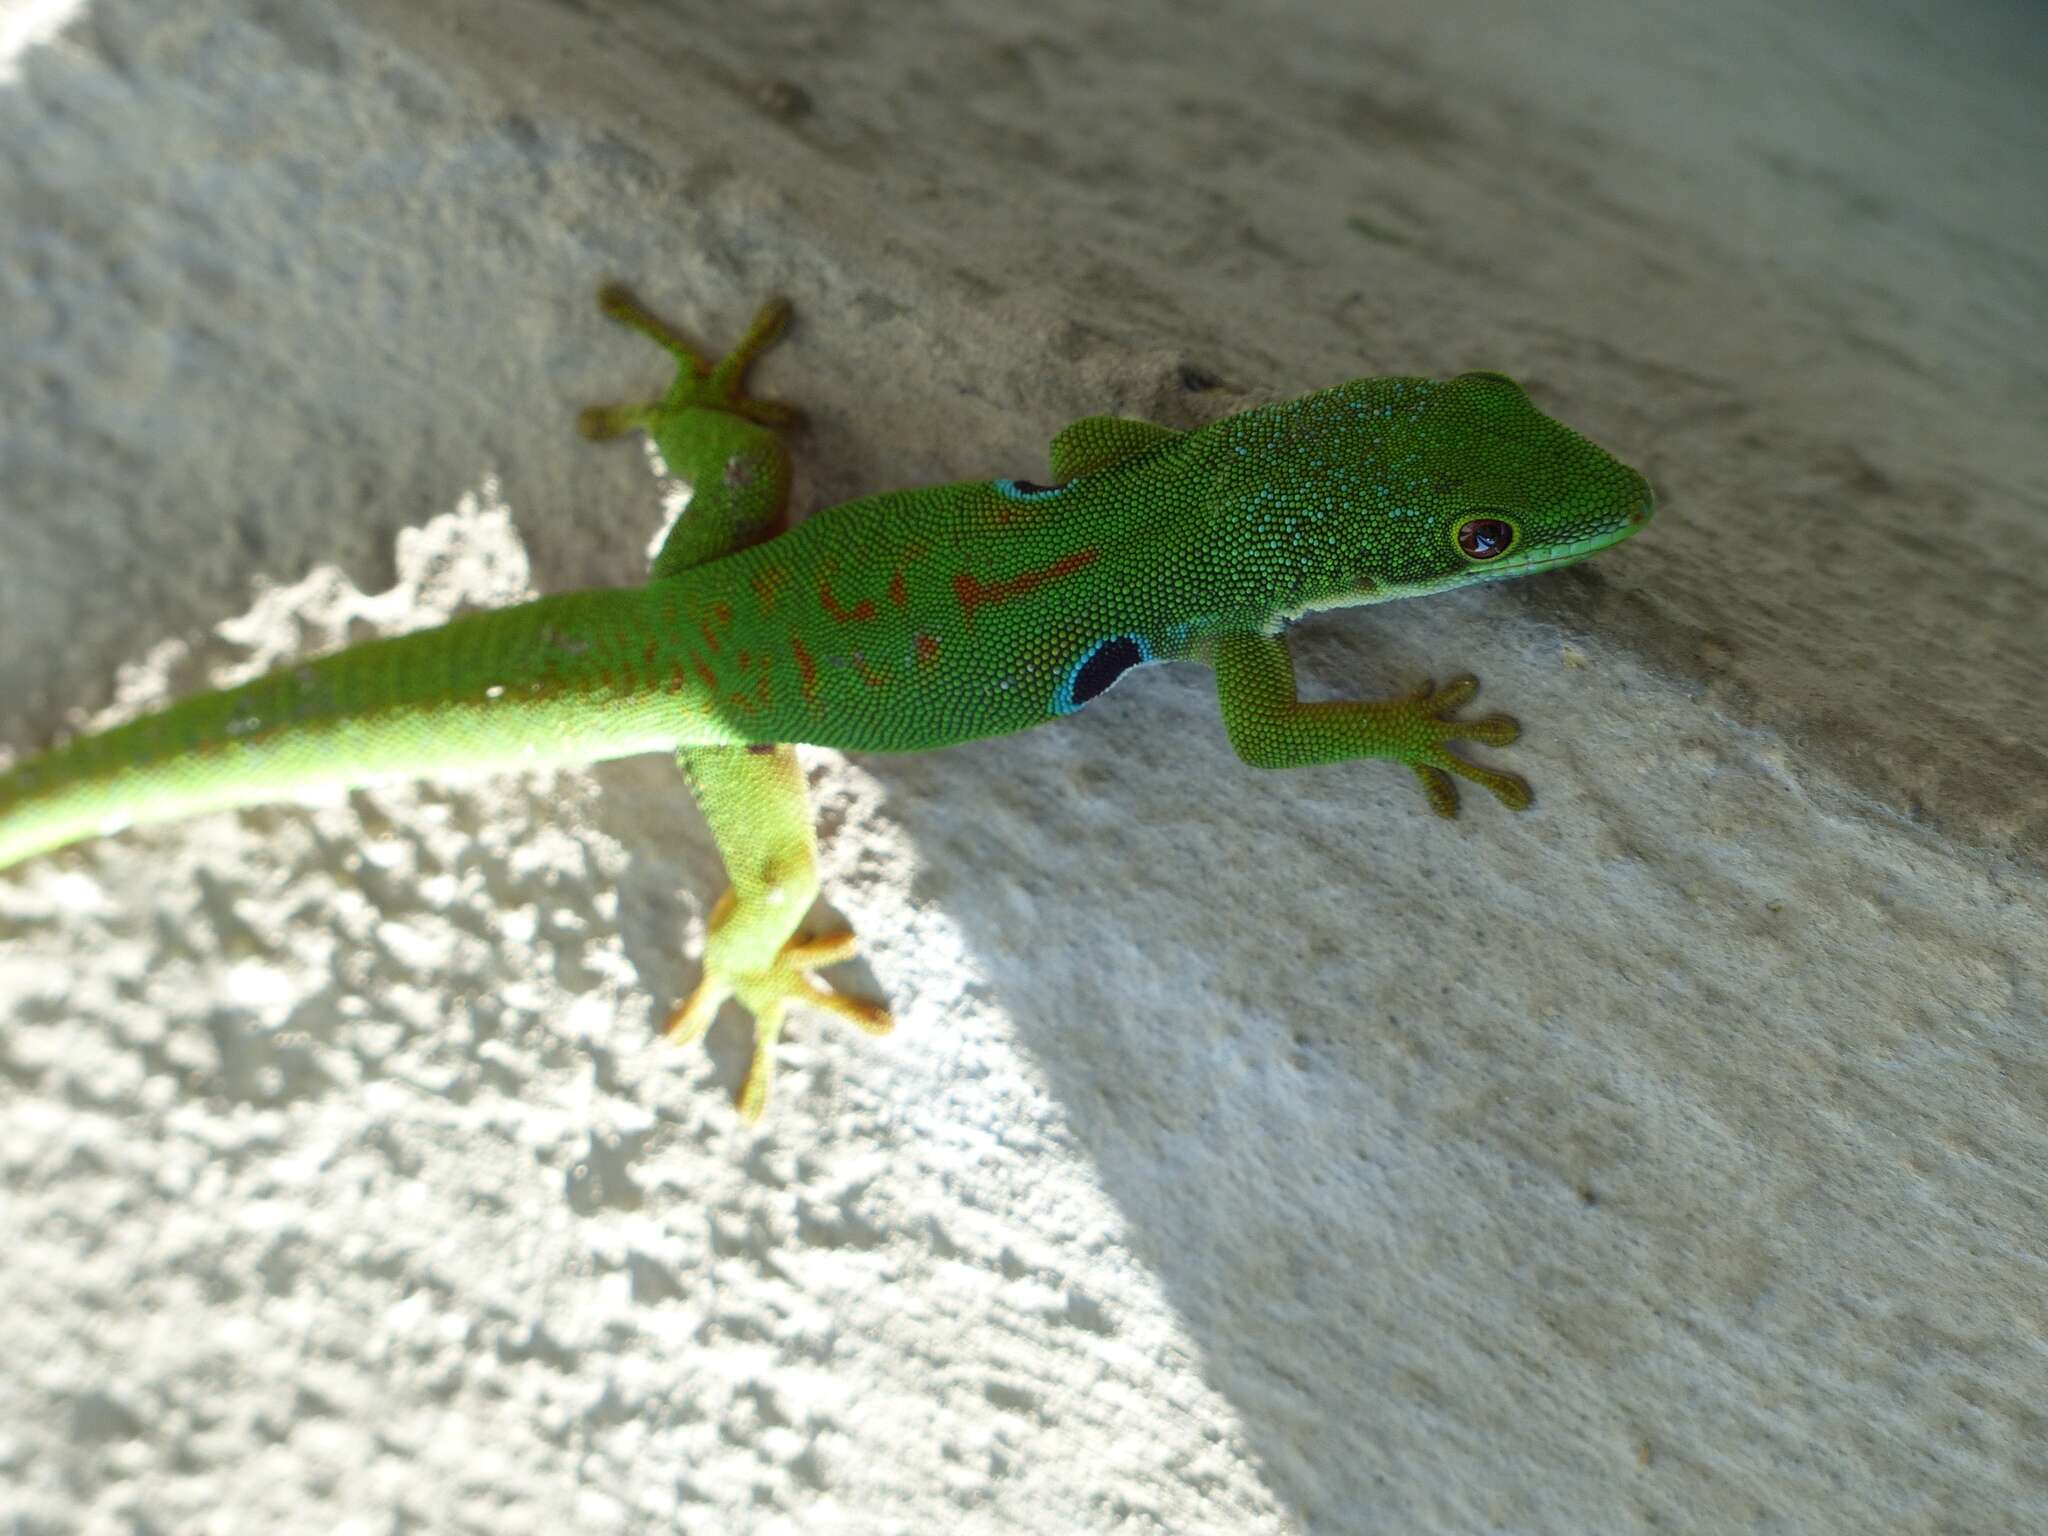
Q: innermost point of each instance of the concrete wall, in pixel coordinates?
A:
(1255, 1153)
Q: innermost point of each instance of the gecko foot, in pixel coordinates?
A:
(719, 386)
(1426, 722)
(767, 995)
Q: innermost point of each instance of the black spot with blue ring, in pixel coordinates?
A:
(1028, 490)
(1100, 665)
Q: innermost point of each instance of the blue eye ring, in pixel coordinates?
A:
(1028, 490)
(1101, 665)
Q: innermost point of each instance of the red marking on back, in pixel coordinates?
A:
(675, 678)
(704, 672)
(973, 593)
(768, 581)
(927, 650)
(806, 668)
(862, 610)
(868, 674)
(897, 593)
(717, 616)
(647, 655)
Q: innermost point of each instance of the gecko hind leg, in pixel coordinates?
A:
(767, 993)
(718, 439)
(719, 386)
(755, 951)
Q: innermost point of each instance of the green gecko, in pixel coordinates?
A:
(902, 622)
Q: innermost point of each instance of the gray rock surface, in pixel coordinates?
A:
(1255, 1153)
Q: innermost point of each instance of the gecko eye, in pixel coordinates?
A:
(1485, 538)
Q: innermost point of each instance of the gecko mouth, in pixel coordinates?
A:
(1564, 554)
(1558, 554)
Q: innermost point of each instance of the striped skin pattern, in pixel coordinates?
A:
(902, 622)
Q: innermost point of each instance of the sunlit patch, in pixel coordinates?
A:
(76, 893)
(255, 985)
(28, 24)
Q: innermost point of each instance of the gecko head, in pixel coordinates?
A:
(1497, 489)
(1444, 483)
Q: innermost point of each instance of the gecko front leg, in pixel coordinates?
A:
(1270, 727)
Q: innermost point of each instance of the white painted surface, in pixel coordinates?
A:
(1255, 1153)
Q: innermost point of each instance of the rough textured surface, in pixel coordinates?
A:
(1256, 1153)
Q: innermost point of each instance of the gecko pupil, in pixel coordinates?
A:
(1105, 664)
(1033, 488)
(1485, 538)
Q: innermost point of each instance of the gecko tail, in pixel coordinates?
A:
(523, 687)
